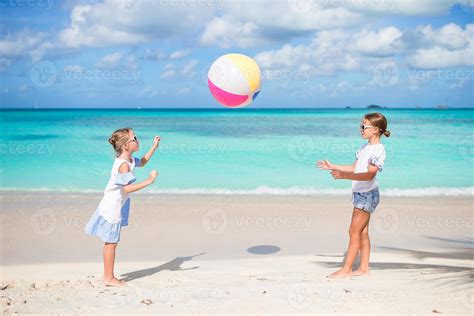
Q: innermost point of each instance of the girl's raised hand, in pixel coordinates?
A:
(324, 165)
(153, 175)
(156, 141)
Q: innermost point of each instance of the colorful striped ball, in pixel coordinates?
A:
(234, 80)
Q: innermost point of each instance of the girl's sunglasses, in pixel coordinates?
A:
(364, 127)
(134, 139)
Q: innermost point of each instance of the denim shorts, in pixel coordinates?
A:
(366, 201)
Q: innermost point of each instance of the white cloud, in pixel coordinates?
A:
(448, 46)
(147, 92)
(110, 61)
(326, 54)
(332, 52)
(384, 42)
(168, 72)
(247, 24)
(117, 60)
(225, 32)
(20, 44)
(111, 23)
(398, 7)
(156, 54)
(179, 54)
(189, 69)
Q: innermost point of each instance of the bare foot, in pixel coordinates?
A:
(340, 274)
(360, 272)
(114, 282)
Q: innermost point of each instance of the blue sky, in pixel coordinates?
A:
(312, 53)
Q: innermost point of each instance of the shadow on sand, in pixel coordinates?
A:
(173, 265)
(461, 274)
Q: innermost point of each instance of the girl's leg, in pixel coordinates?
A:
(364, 253)
(360, 219)
(109, 260)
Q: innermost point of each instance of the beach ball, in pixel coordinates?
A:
(234, 80)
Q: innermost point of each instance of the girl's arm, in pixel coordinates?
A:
(365, 176)
(326, 165)
(147, 157)
(129, 188)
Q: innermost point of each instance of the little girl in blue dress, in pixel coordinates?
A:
(113, 210)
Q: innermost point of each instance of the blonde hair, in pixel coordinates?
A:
(119, 138)
(379, 121)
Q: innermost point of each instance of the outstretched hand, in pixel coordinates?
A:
(324, 165)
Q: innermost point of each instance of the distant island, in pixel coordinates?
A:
(374, 106)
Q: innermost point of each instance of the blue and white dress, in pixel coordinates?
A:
(114, 208)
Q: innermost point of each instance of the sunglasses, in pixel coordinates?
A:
(364, 127)
(134, 139)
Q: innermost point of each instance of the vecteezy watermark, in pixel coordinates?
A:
(217, 221)
(439, 221)
(440, 74)
(386, 74)
(128, 6)
(11, 147)
(214, 221)
(386, 221)
(48, 4)
(43, 222)
(300, 6)
(301, 148)
(134, 6)
(272, 222)
(135, 295)
(304, 295)
(300, 295)
(306, 6)
(214, 149)
(467, 6)
(46, 221)
(102, 74)
(43, 74)
(285, 76)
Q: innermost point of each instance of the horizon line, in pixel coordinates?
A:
(236, 109)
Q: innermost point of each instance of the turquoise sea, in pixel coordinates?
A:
(430, 152)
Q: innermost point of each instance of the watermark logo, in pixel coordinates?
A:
(43, 74)
(300, 6)
(128, 6)
(43, 222)
(301, 148)
(386, 74)
(214, 221)
(301, 295)
(387, 221)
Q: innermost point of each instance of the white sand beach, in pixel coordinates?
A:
(241, 254)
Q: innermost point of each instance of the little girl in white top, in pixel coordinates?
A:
(113, 210)
(370, 158)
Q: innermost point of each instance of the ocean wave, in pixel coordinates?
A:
(264, 190)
